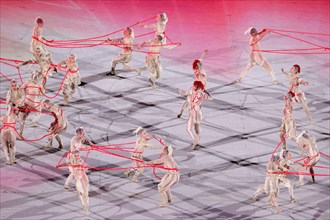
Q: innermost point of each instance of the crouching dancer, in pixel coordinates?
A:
(171, 177)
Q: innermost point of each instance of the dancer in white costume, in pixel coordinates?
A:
(45, 64)
(309, 150)
(15, 96)
(37, 33)
(141, 143)
(126, 43)
(256, 58)
(200, 75)
(153, 62)
(58, 126)
(196, 95)
(171, 177)
(160, 26)
(270, 187)
(8, 135)
(72, 79)
(299, 95)
(32, 103)
(79, 168)
(77, 142)
(284, 166)
(288, 127)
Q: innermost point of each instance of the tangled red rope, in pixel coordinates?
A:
(98, 41)
(43, 79)
(29, 140)
(305, 163)
(109, 149)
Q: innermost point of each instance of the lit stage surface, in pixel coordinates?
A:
(240, 126)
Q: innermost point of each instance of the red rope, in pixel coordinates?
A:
(105, 148)
(298, 39)
(300, 32)
(5, 76)
(20, 75)
(31, 140)
(278, 145)
(325, 155)
(59, 89)
(299, 173)
(161, 154)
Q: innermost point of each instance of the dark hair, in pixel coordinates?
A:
(253, 31)
(46, 101)
(306, 134)
(159, 38)
(80, 130)
(285, 153)
(275, 158)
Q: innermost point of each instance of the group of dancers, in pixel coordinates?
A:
(25, 99)
(280, 165)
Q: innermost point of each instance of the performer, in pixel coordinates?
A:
(171, 177)
(58, 126)
(196, 95)
(284, 166)
(15, 96)
(77, 142)
(37, 33)
(309, 150)
(72, 79)
(32, 91)
(8, 135)
(288, 127)
(153, 62)
(200, 75)
(255, 55)
(45, 64)
(79, 168)
(299, 95)
(137, 155)
(126, 55)
(159, 26)
(270, 187)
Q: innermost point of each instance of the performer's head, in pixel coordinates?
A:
(162, 17)
(198, 85)
(72, 58)
(286, 154)
(39, 21)
(34, 76)
(13, 84)
(46, 104)
(275, 158)
(197, 64)
(76, 154)
(289, 96)
(141, 132)
(296, 68)
(168, 150)
(80, 133)
(305, 134)
(128, 32)
(37, 51)
(253, 32)
(158, 38)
